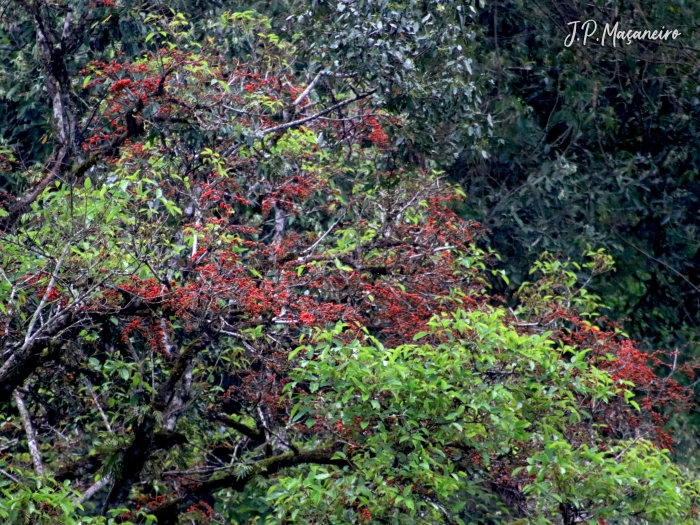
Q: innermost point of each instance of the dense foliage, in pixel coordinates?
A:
(596, 145)
(235, 287)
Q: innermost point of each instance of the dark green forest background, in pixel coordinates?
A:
(574, 147)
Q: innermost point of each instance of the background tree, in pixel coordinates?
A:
(595, 146)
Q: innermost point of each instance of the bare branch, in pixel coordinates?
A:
(311, 248)
(31, 435)
(304, 120)
(90, 492)
(308, 89)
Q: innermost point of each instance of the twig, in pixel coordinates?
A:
(28, 338)
(204, 470)
(313, 246)
(8, 444)
(679, 274)
(97, 404)
(628, 446)
(9, 475)
(236, 334)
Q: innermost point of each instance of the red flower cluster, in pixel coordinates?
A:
(376, 135)
(654, 392)
(119, 85)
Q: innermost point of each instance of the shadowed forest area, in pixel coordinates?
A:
(308, 262)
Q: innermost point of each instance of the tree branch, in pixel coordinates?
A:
(254, 434)
(95, 487)
(169, 514)
(308, 89)
(304, 120)
(31, 435)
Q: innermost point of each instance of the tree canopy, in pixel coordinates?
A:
(238, 283)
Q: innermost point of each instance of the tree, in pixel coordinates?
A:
(593, 145)
(479, 425)
(216, 211)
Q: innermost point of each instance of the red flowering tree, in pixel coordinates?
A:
(216, 214)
